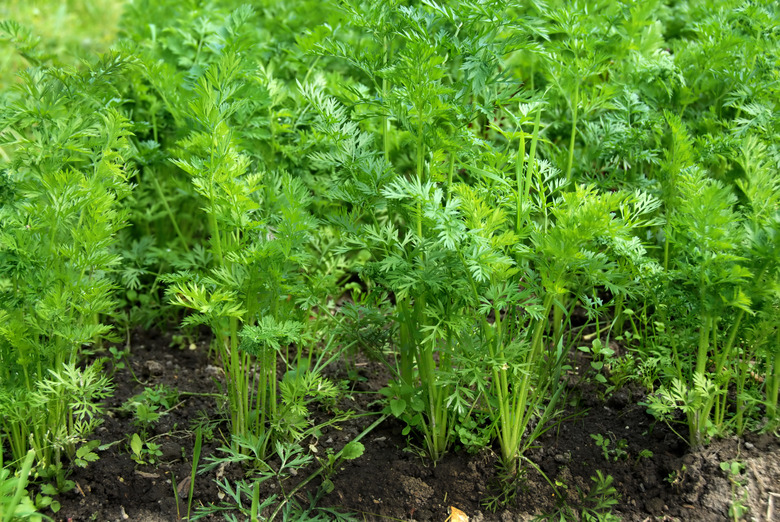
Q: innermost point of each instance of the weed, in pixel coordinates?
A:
(595, 505)
(611, 453)
(739, 494)
(144, 452)
(148, 406)
(15, 502)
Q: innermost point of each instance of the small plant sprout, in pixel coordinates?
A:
(739, 494)
(615, 453)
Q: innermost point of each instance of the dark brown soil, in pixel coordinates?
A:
(390, 482)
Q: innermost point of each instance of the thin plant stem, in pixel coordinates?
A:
(574, 108)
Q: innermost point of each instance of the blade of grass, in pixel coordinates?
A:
(195, 460)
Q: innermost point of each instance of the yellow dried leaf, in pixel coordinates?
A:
(456, 515)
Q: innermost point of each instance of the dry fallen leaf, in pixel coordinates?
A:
(456, 515)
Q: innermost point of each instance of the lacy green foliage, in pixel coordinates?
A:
(489, 181)
(449, 250)
(209, 75)
(259, 227)
(60, 214)
(243, 496)
(721, 269)
(148, 406)
(55, 417)
(595, 505)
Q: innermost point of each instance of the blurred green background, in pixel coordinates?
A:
(67, 29)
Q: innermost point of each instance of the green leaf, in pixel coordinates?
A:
(49, 489)
(397, 407)
(136, 444)
(486, 173)
(352, 450)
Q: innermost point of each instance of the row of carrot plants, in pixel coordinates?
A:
(489, 185)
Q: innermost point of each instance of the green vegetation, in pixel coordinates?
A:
(485, 186)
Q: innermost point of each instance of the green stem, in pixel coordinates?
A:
(385, 119)
(773, 380)
(314, 475)
(519, 164)
(558, 322)
(666, 251)
(12, 502)
(742, 373)
(725, 351)
(406, 340)
(449, 177)
(619, 318)
(168, 210)
(420, 168)
(437, 431)
(216, 242)
(575, 108)
(536, 343)
(704, 344)
(532, 154)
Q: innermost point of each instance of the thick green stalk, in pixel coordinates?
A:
(514, 409)
(436, 431)
(739, 419)
(216, 242)
(262, 390)
(239, 380)
(704, 344)
(12, 502)
(619, 319)
(536, 343)
(666, 251)
(493, 340)
(449, 177)
(407, 342)
(773, 379)
(697, 418)
(725, 350)
(558, 322)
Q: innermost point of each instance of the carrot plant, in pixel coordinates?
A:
(245, 284)
(64, 176)
(715, 296)
(726, 262)
(477, 233)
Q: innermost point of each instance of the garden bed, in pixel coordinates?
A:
(556, 226)
(389, 482)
